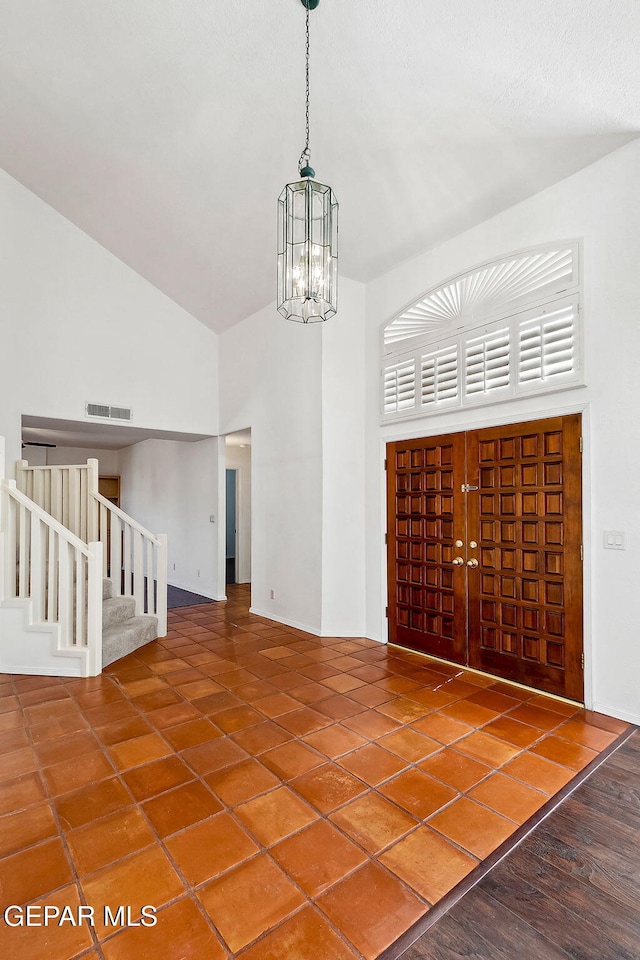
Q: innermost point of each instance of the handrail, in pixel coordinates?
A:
(134, 558)
(26, 466)
(46, 518)
(45, 563)
(125, 516)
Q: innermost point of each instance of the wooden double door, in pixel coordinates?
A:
(484, 550)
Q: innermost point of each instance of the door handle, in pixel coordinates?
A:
(458, 561)
(472, 563)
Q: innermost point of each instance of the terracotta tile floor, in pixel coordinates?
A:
(271, 794)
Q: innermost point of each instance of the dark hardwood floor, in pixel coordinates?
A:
(569, 891)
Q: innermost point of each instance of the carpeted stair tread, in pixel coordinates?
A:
(127, 636)
(117, 609)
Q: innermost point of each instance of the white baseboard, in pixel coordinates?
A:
(285, 622)
(618, 714)
(344, 634)
(200, 593)
(312, 630)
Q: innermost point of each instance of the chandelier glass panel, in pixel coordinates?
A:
(307, 251)
(307, 238)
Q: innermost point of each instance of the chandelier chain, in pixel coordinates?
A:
(305, 155)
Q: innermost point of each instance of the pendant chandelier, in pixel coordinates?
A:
(307, 236)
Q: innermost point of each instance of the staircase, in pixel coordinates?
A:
(123, 631)
(81, 583)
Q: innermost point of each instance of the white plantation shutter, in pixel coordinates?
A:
(399, 387)
(439, 376)
(490, 290)
(548, 345)
(487, 363)
(534, 351)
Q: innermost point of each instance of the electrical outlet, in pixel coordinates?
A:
(272, 594)
(198, 573)
(174, 566)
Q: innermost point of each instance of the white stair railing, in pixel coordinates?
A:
(133, 558)
(62, 491)
(47, 564)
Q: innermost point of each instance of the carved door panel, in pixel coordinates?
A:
(512, 497)
(427, 602)
(525, 597)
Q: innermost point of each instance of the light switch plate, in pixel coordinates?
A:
(614, 540)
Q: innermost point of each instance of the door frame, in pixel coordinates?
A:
(455, 424)
(236, 524)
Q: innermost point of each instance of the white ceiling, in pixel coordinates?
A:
(166, 128)
(240, 438)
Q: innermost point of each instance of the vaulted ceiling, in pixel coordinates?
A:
(166, 129)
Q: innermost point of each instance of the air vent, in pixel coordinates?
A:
(104, 412)
(120, 413)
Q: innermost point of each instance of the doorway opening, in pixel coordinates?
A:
(237, 511)
(231, 525)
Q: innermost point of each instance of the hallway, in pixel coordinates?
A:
(271, 794)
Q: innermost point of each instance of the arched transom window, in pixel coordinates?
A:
(506, 329)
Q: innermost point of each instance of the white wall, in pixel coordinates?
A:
(343, 466)
(301, 390)
(600, 205)
(171, 487)
(62, 456)
(270, 381)
(76, 324)
(239, 459)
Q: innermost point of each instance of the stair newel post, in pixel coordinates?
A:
(23, 540)
(94, 609)
(150, 602)
(80, 631)
(92, 505)
(161, 576)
